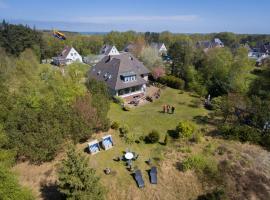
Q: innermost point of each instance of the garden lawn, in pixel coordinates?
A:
(145, 118)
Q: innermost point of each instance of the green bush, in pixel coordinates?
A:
(115, 125)
(243, 133)
(197, 137)
(172, 82)
(124, 130)
(152, 137)
(185, 129)
(118, 100)
(217, 194)
(202, 165)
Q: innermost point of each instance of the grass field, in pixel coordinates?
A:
(145, 118)
(141, 120)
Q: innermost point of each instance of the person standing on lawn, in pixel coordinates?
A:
(164, 108)
(173, 108)
(168, 108)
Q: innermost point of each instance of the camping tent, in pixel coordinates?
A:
(93, 147)
(107, 142)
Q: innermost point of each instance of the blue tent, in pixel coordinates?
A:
(138, 178)
(93, 147)
(153, 175)
(107, 142)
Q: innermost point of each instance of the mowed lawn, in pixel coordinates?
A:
(145, 118)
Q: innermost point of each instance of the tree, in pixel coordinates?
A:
(240, 71)
(10, 188)
(216, 69)
(181, 54)
(76, 180)
(16, 38)
(150, 57)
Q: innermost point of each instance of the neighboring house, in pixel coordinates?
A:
(93, 59)
(124, 75)
(67, 56)
(109, 50)
(260, 53)
(160, 47)
(210, 44)
(129, 47)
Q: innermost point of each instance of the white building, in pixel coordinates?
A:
(67, 56)
(109, 50)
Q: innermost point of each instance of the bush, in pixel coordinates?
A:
(115, 125)
(153, 137)
(243, 133)
(197, 137)
(185, 129)
(118, 100)
(217, 194)
(124, 130)
(201, 164)
(172, 82)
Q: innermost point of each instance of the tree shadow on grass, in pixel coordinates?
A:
(49, 191)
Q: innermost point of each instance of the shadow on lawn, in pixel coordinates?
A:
(173, 133)
(49, 192)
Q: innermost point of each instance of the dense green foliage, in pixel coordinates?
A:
(42, 106)
(203, 165)
(172, 82)
(185, 129)
(16, 38)
(76, 180)
(152, 137)
(9, 186)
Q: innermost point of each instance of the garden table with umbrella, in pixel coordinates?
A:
(129, 155)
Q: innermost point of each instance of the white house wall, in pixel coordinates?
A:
(113, 52)
(74, 56)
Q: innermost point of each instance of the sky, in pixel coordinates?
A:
(178, 16)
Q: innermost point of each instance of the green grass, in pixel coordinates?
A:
(143, 119)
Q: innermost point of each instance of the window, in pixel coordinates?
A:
(130, 78)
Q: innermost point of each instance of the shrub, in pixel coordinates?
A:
(197, 137)
(217, 194)
(243, 133)
(124, 130)
(130, 138)
(201, 164)
(153, 137)
(118, 100)
(185, 129)
(115, 125)
(172, 82)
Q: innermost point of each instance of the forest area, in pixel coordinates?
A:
(43, 109)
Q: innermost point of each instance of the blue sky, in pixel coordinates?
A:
(183, 16)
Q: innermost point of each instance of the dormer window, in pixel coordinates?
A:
(129, 78)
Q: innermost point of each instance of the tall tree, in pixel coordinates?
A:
(181, 54)
(76, 180)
